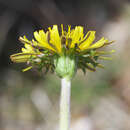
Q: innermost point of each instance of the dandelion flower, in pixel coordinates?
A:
(63, 52)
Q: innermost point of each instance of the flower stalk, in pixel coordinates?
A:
(65, 104)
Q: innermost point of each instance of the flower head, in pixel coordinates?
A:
(62, 52)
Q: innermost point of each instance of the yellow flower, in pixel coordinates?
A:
(47, 47)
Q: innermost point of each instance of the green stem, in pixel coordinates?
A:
(65, 104)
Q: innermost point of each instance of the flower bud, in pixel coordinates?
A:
(65, 66)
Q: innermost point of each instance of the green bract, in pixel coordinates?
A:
(65, 66)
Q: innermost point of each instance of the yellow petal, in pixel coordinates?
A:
(98, 44)
(29, 47)
(55, 38)
(76, 35)
(42, 35)
(104, 52)
(108, 43)
(105, 58)
(62, 29)
(20, 57)
(42, 41)
(24, 50)
(37, 37)
(20, 60)
(26, 69)
(69, 30)
(25, 40)
(89, 38)
(100, 66)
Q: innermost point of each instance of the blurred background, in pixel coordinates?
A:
(30, 100)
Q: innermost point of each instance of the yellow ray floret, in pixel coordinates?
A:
(76, 35)
(55, 38)
(98, 44)
(88, 40)
(21, 57)
(42, 40)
